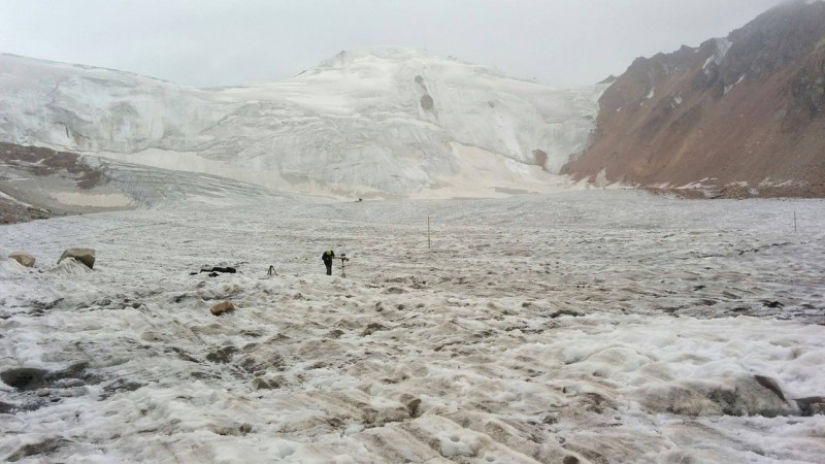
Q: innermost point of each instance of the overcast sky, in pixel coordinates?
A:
(220, 42)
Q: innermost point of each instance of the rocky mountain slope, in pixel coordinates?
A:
(387, 123)
(742, 115)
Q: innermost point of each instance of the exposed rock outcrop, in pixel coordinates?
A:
(743, 115)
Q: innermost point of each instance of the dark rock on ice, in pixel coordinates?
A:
(228, 270)
(84, 255)
(46, 446)
(25, 378)
(395, 291)
(372, 328)
(222, 355)
(122, 385)
(6, 408)
(811, 406)
(260, 383)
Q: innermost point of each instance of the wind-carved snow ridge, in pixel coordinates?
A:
(368, 123)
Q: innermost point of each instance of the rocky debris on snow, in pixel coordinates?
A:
(262, 383)
(46, 446)
(120, 386)
(37, 387)
(372, 328)
(23, 258)
(745, 396)
(258, 362)
(222, 355)
(24, 378)
(6, 408)
(84, 255)
(811, 406)
(214, 269)
(220, 308)
(412, 404)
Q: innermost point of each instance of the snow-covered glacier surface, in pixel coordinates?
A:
(384, 123)
(584, 327)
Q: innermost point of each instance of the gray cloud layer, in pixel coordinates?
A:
(218, 42)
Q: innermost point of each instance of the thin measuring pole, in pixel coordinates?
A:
(429, 246)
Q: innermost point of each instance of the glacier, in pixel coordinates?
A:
(385, 123)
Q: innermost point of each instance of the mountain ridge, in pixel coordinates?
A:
(737, 116)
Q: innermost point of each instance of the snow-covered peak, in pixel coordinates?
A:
(370, 122)
(348, 58)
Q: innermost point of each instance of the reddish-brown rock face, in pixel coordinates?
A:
(748, 108)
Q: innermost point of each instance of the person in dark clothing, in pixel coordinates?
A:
(327, 257)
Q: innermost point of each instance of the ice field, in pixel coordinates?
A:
(580, 327)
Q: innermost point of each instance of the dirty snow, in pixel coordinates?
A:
(606, 326)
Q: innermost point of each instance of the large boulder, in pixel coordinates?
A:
(23, 258)
(84, 255)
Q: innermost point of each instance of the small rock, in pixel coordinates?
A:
(84, 255)
(23, 258)
(222, 355)
(71, 383)
(259, 383)
(550, 419)
(220, 308)
(395, 291)
(43, 393)
(570, 460)
(812, 406)
(372, 328)
(246, 428)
